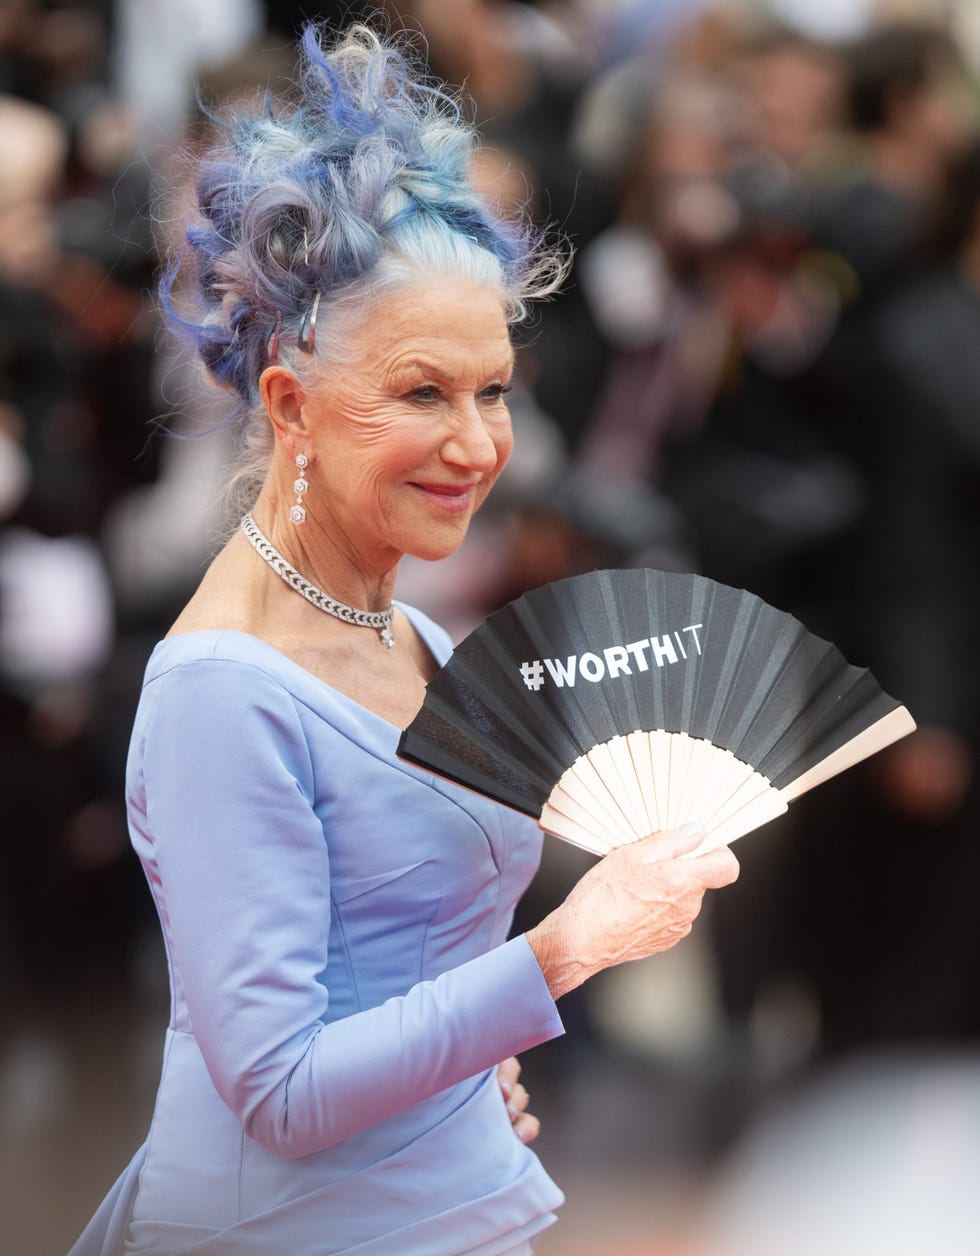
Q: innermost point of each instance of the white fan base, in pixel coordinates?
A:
(626, 788)
(631, 786)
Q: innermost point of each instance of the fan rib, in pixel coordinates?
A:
(558, 825)
(567, 805)
(583, 783)
(759, 811)
(607, 759)
(639, 748)
(890, 728)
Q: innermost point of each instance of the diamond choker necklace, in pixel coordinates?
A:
(380, 621)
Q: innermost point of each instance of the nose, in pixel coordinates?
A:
(470, 444)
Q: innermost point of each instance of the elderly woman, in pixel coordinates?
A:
(336, 920)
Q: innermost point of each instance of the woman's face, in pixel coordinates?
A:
(410, 433)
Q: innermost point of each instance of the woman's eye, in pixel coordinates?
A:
(496, 392)
(427, 392)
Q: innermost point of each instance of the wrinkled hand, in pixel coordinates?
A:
(526, 1126)
(640, 899)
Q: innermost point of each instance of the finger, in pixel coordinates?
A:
(527, 1127)
(671, 843)
(508, 1073)
(517, 1101)
(717, 868)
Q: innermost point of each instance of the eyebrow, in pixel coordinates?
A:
(424, 367)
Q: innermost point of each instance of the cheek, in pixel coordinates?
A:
(374, 445)
(503, 440)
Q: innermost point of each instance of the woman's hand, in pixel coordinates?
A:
(639, 899)
(526, 1126)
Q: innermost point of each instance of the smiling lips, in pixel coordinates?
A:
(450, 496)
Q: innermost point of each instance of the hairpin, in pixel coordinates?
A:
(273, 350)
(307, 332)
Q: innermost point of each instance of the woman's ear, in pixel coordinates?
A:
(284, 398)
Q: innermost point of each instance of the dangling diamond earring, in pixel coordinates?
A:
(297, 513)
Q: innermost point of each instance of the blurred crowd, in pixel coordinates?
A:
(765, 367)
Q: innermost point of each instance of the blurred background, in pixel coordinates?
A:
(765, 367)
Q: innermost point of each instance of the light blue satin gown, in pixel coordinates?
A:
(335, 923)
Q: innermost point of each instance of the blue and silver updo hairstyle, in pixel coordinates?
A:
(308, 209)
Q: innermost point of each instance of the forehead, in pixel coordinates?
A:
(449, 324)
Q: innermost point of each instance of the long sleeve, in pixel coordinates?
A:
(222, 788)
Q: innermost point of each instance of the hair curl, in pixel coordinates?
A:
(360, 183)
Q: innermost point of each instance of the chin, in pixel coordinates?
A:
(433, 553)
(436, 544)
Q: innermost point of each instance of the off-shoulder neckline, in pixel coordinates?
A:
(427, 629)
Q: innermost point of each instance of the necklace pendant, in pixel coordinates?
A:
(387, 640)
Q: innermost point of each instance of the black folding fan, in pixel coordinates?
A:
(614, 704)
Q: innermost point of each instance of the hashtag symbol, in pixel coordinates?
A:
(533, 674)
